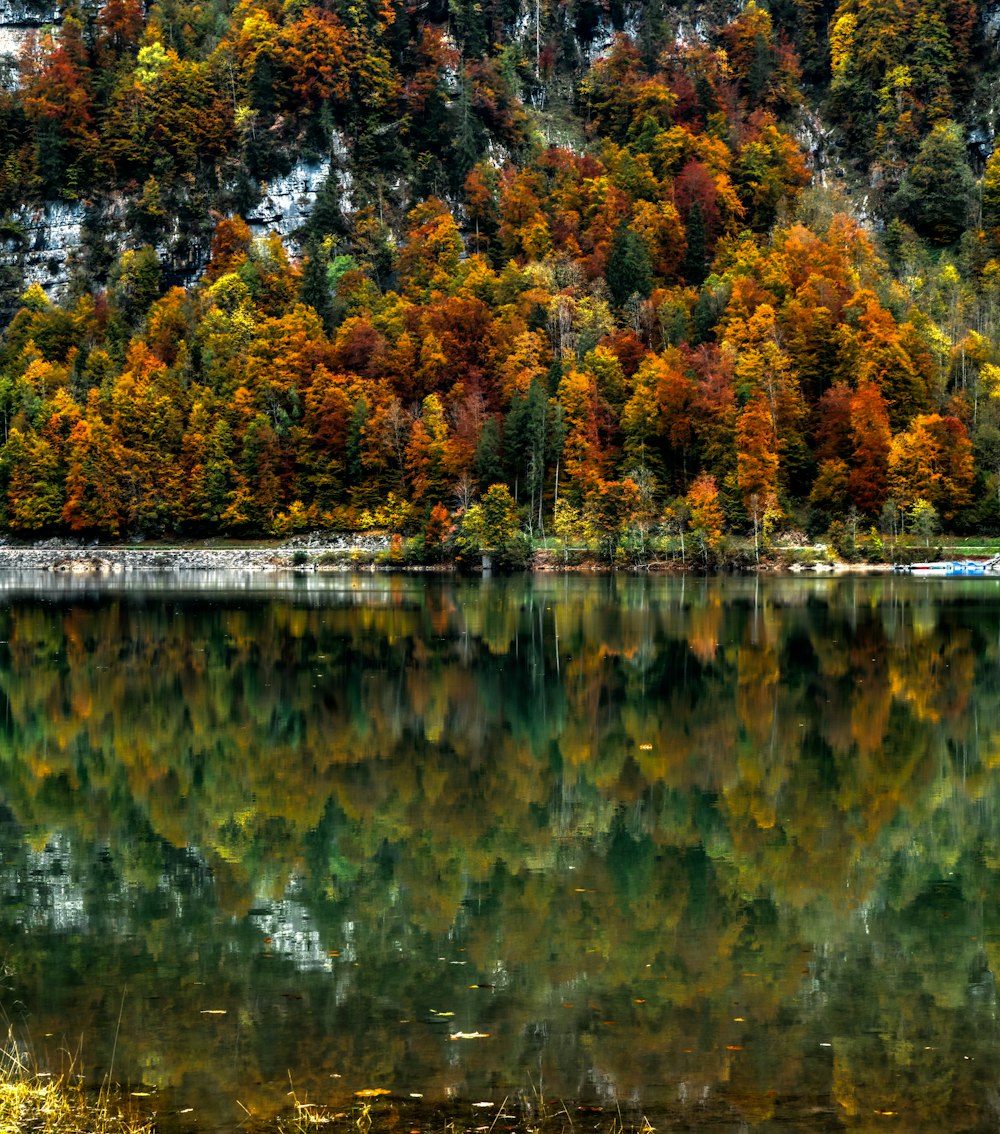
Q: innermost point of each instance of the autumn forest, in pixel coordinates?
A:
(579, 269)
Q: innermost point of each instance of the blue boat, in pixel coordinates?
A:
(951, 567)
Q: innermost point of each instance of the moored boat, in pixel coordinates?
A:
(950, 567)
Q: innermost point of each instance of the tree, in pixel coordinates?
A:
(492, 526)
(705, 516)
(580, 452)
(430, 255)
(756, 451)
(936, 190)
(924, 520)
(486, 463)
(426, 452)
(932, 461)
(629, 269)
(35, 488)
(612, 507)
(871, 439)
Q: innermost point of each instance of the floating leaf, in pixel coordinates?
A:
(645, 747)
(469, 1035)
(214, 1011)
(371, 1093)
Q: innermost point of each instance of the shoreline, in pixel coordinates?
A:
(347, 552)
(352, 552)
(67, 558)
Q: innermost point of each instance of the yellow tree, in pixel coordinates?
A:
(932, 461)
(577, 395)
(705, 517)
(427, 452)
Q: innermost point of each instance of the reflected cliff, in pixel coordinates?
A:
(643, 839)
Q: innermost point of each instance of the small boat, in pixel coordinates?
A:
(951, 567)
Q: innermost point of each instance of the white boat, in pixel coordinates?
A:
(957, 567)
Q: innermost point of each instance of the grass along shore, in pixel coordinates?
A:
(32, 1102)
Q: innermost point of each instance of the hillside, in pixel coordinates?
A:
(269, 267)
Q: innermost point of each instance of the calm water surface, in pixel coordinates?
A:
(627, 842)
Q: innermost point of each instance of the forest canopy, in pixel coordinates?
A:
(573, 268)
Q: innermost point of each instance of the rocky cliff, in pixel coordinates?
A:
(43, 244)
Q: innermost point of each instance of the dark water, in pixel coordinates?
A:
(649, 843)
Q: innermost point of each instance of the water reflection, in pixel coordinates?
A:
(648, 840)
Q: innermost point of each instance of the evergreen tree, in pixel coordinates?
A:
(696, 255)
(936, 191)
(487, 465)
(314, 288)
(630, 271)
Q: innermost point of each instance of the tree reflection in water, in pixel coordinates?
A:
(658, 840)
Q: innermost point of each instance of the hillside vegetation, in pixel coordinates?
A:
(583, 267)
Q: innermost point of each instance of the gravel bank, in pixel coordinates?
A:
(65, 558)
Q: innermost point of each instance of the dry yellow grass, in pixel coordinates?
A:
(34, 1102)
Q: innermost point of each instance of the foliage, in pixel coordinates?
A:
(656, 300)
(401, 770)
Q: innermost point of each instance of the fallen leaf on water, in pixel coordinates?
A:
(371, 1093)
(214, 1011)
(141, 1094)
(443, 1015)
(645, 748)
(484, 1104)
(739, 1020)
(733, 1047)
(469, 1035)
(638, 1001)
(886, 1113)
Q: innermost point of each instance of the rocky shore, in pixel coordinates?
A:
(64, 557)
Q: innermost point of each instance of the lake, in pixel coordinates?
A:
(725, 851)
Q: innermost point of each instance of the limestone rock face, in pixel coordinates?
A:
(43, 243)
(286, 202)
(52, 237)
(17, 19)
